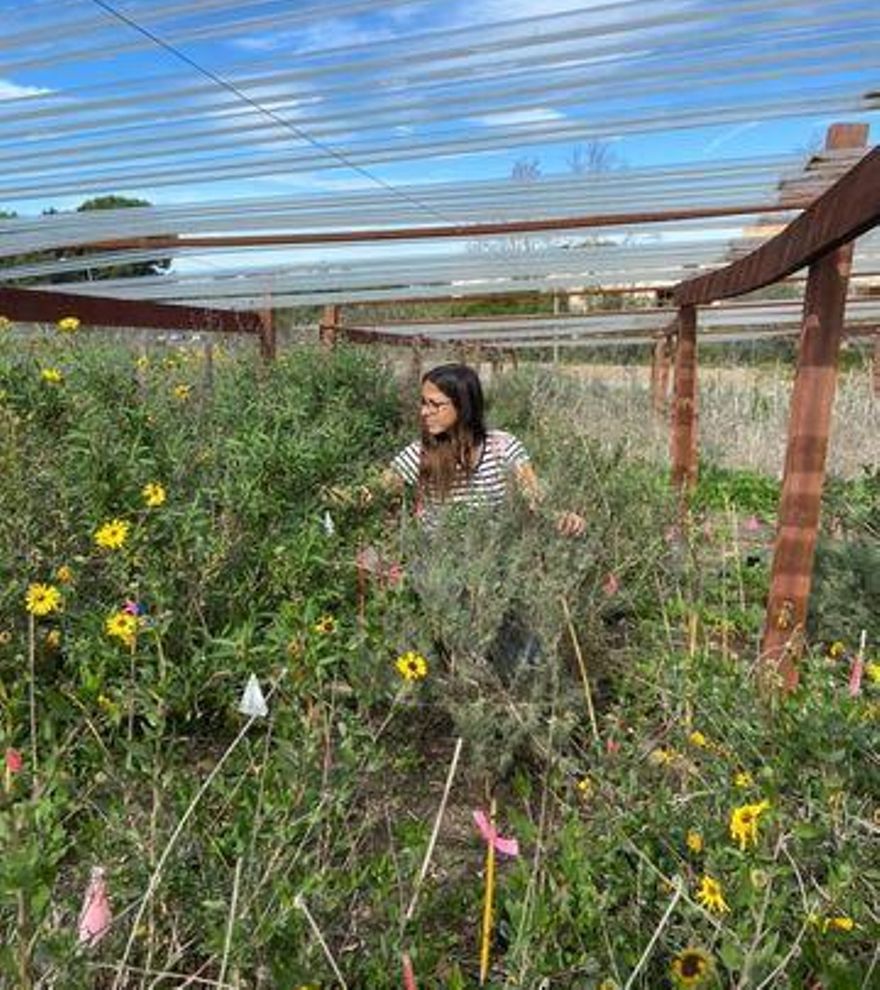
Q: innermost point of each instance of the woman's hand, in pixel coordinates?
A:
(571, 524)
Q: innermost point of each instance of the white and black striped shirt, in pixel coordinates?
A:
(486, 485)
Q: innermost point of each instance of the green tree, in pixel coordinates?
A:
(133, 269)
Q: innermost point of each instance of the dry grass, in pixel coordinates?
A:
(743, 416)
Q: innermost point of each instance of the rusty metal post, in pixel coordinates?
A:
(663, 384)
(660, 354)
(327, 329)
(413, 381)
(655, 365)
(416, 363)
(684, 404)
(808, 428)
(268, 348)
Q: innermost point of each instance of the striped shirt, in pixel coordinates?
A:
(486, 485)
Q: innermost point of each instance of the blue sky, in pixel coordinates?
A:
(274, 43)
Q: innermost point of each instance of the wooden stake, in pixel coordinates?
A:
(583, 671)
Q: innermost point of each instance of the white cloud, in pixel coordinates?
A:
(333, 33)
(534, 115)
(13, 91)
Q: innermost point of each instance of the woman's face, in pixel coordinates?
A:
(438, 410)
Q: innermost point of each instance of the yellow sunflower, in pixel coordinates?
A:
(694, 841)
(711, 896)
(742, 779)
(325, 625)
(411, 666)
(123, 626)
(154, 494)
(181, 392)
(696, 738)
(744, 823)
(42, 599)
(112, 535)
(64, 574)
(662, 757)
(68, 324)
(840, 923)
(52, 376)
(691, 967)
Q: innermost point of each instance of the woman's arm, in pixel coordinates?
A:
(392, 482)
(567, 523)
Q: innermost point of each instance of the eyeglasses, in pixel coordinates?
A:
(432, 406)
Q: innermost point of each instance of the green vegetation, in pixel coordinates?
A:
(688, 834)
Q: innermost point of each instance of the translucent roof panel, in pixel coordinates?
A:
(355, 118)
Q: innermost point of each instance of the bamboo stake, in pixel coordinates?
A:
(423, 872)
(156, 875)
(230, 924)
(299, 902)
(657, 931)
(583, 670)
(486, 934)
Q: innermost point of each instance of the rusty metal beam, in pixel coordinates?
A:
(39, 306)
(536, 294)
(362, 335)
(684, 405)
(440, 231)
(808, 431)
(849, 208)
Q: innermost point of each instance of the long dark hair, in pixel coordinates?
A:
(452, 456)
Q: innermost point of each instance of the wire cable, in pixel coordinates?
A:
(277, 118)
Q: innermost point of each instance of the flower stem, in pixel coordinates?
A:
(32, 699)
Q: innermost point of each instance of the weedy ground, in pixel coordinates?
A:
(680, 823)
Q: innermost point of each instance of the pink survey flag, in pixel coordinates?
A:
(858, 667)
(611, 584)
(409, 977)
(507, 847)
(95, 917)
(14, 762)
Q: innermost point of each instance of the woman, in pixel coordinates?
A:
(458, 461)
